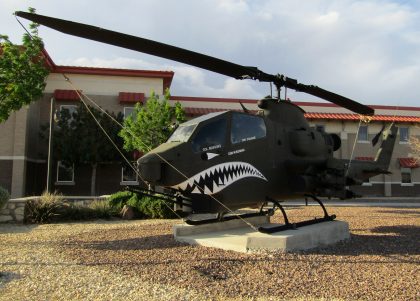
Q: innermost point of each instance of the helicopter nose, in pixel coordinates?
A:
(150, 168)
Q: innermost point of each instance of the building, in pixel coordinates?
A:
(23, 164)
(22, 153)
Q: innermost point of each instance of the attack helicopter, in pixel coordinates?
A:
(229, 160)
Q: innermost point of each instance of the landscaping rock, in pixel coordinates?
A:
(128, 212)
(5, 218)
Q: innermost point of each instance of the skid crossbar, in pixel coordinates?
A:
(288, 226)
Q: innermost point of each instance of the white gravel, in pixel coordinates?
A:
(140, 260)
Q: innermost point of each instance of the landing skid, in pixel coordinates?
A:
(276, 205)
(288, 226)
(222, 218)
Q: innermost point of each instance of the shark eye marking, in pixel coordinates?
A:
(218, 177)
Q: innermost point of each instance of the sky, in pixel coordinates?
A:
(368, 50)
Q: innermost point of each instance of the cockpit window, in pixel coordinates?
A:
(246, 128)
(211, 136)
(182, 133)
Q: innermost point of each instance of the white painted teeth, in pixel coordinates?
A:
(218, 177)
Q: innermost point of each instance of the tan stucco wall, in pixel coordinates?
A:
(104, 85)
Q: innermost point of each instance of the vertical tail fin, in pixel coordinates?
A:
(384, 154)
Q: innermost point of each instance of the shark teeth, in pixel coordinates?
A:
(218, 177)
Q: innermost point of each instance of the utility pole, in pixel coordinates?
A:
(50, 145)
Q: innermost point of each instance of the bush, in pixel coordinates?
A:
(4, 197)
(50, 207)
(103, 209)
(96, 209)
(144, 206)
(72, 212)
(44, 209)
(155, 208)
(119, 199)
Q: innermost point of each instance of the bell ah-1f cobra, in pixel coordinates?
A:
(229, 160)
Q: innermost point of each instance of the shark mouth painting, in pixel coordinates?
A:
(218, 177)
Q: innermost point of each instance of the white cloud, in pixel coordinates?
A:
(367, 50)
(329, 18)
(233, 6)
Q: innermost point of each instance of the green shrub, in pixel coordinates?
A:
(135, 202)
(119, 199)
(4, 197)
(96, 209)
(152, 207)
(44, 209)
(159, 209)
(103, 209)
(72, 212)
(144, 206)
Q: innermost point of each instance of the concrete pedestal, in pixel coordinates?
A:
(238, 236)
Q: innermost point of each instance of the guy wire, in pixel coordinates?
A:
(79, 93)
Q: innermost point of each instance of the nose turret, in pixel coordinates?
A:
(150, 168)
(157, 167)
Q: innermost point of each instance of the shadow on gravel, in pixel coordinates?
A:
(7, 277)
(391, 240)
(15, 228)
(142, 243)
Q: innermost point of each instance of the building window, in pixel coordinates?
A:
(404, 135)
(68, 109)
(362, 136)
(65, 173)
(129, 175)
(320, 127)
(128, 111)
(406, 175)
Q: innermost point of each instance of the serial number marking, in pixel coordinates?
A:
(238, 151)
(211, 147)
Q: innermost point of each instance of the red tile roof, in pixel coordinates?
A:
(364, 158)
(130, 97)
(299, 103)
(66, 95)
(343, 116)
(331, 116)
(409, 162)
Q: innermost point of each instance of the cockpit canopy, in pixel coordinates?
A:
(213, 131)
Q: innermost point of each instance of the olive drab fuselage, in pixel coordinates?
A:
(241, 159)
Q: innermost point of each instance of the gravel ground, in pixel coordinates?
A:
(140, 260)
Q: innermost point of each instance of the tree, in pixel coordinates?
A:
(22, 71)
(151, 124)
(79, 140)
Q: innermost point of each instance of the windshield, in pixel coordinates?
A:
(246, 127)
(182, 133)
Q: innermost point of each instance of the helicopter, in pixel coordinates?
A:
(229, 160)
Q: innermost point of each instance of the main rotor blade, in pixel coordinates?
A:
(330, 96)
(188, 57)
(146, 46)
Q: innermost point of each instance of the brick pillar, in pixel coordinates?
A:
(19, 150)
